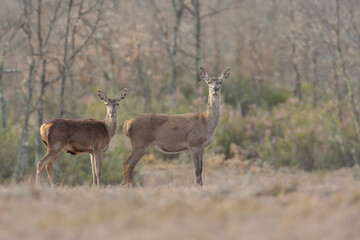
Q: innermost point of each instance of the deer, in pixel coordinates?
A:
(79, 136)
(175, 133)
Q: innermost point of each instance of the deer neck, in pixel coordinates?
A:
(213, 111)
(111, 125)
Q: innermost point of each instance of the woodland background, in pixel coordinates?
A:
(292, 98)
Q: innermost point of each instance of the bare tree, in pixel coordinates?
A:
(295, 39)
(171, 46)
(195, 11)
(109, 71)
(72, 35)
(7, 46)
(255, 57)
(340, 48)
(314, 67)
(343, 64)
(43, 40)
(23, 154)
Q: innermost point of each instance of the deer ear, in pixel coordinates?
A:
(122, 94)
(102, 95)
(203, 74)
(225, 74)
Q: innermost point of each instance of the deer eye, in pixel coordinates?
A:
(106, 104)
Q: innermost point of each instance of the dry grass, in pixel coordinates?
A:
(238, 201)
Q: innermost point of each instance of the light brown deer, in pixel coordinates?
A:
(79, 136)
(175, 133)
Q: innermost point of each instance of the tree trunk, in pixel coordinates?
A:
(146, 87)
(2, 70)
(315, 78)
(2, 97)
(172, 86)
(216, 47)
(197, 17)
(62, 93)
(112, 71)
(297, 90)
(337, 91)
(23, 153)
(42, 84)
(178, 9)
(256, 73)
(64, 68)
(40, 108)
(259, 86)
(351, 99)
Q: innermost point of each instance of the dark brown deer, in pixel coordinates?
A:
(175, 133)
(79, 136)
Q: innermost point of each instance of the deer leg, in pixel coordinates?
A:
(197, 158)
(49, 157)
(98, 168)
(50, 172)
(93, 170)
(129, 165)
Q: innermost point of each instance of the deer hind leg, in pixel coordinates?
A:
(49, 158)
(129, 164)
(197, 158)
(93, 170)
(50, 172)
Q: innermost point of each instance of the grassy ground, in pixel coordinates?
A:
(239, 200)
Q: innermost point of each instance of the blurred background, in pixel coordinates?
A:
(291, 98)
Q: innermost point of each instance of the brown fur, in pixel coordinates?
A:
(175, 133)
(77, 136)
(171, 133)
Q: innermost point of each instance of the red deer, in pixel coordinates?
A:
(175, 133)
(79, 136)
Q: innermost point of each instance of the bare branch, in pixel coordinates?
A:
(88, 38)
(219, 10)
(13, 70)
(52, 21)
(187, 7)
(163, 30)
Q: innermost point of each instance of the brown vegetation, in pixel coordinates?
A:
(239, 200)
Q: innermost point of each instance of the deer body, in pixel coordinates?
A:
(79, 136)
(175, 133)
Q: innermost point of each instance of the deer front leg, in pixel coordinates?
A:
(93, 170)
(197, 158)
(98, 168)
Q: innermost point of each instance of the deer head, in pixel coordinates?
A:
(112, 103)
(214, 82)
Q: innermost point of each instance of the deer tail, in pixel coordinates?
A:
(44, 132)
(125, 128)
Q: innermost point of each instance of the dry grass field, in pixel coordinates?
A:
(239, 200)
